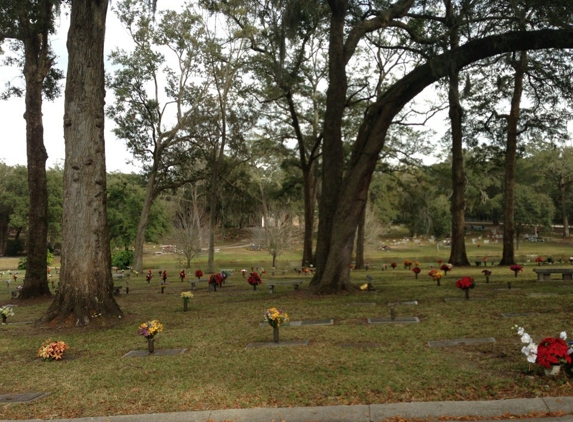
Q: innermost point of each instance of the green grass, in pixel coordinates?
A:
(219, 372)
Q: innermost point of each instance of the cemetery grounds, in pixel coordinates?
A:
(349, 362)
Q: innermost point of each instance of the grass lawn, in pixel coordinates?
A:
(217, 371)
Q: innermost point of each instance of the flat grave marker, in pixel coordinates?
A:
(158, 352)
(360, 345)
(461, 342)
(396, 320)
(519, 314)
(288, 343)
(362, 304)
(22, 397)
(305, 323)
(457, 299)
(409, 302)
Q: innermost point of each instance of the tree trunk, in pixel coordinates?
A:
(36, 282)
(213, 215)
(309, 190)
(86, 285)
(330, 279)
(458, 256)
(4, 222)
(508, 253)
(144, 218)
(360, 241)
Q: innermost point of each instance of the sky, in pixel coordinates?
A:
(13, 135)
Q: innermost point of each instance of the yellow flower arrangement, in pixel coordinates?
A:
(186, 296)
(276, 317)
(150, 328)
(52, 350)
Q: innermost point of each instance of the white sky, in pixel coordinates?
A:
(13, 143)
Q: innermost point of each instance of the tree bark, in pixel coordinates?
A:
(338, 219)
(508, 253)
(562, 191)
(458, 256)
(333, 158)
(86, 285)
(36, 67)
(4, 222)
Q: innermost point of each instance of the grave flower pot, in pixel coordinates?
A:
(553, 370)
(467, 292)
(3, 319)
(276, 334)
(150, 345)
(185, 303)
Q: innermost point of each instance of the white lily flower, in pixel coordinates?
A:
(531, 358)
(563, 335)
(526, 338)
(520, 331)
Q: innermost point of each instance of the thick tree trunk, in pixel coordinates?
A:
(36, 282)
(36, 67)
(458, 256)
(508, 253)
(330, 279)
(86, 284)
(144, 219)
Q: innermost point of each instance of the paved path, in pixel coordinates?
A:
(555, 409)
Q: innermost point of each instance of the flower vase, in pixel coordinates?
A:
(438, 282)
(3, 319)
(467, 292)
(185, 303)
(150, 345)
(276, 334)
(553, 371)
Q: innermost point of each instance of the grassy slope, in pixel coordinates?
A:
(218, 372)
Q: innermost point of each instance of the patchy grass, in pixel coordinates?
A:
(219, 372)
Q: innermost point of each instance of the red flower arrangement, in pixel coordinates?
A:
(393, 265)
(416, 271)
(254, 280)
(198, 274)
(446, 267)
(539, 260)
(439, 261)
(436, 275)
(487, 273)
(465, 283)
(552, 351)
(407, 264)
(516, 269)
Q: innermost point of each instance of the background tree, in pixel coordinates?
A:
(30, 24)
(189, 226)
(86, 285)
(156, 120)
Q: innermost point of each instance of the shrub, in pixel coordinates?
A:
(122, 258)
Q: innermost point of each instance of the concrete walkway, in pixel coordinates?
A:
(554, 409)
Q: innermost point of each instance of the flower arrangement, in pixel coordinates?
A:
(539, 260)
(487, 273)
(551, 351)
(446, 267)
(52, 350)
(186, 296)
(5, 312)
(465, 283)
(407, 264)
(416, 270)
(436, 275)
(198, 274)
(516, 269)
(439, 261)
(276, 317)
(149, 329)
(393, 265)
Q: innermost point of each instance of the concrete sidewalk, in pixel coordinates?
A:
(550, 409)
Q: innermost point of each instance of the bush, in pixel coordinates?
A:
(122, 259)
(22, 263)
